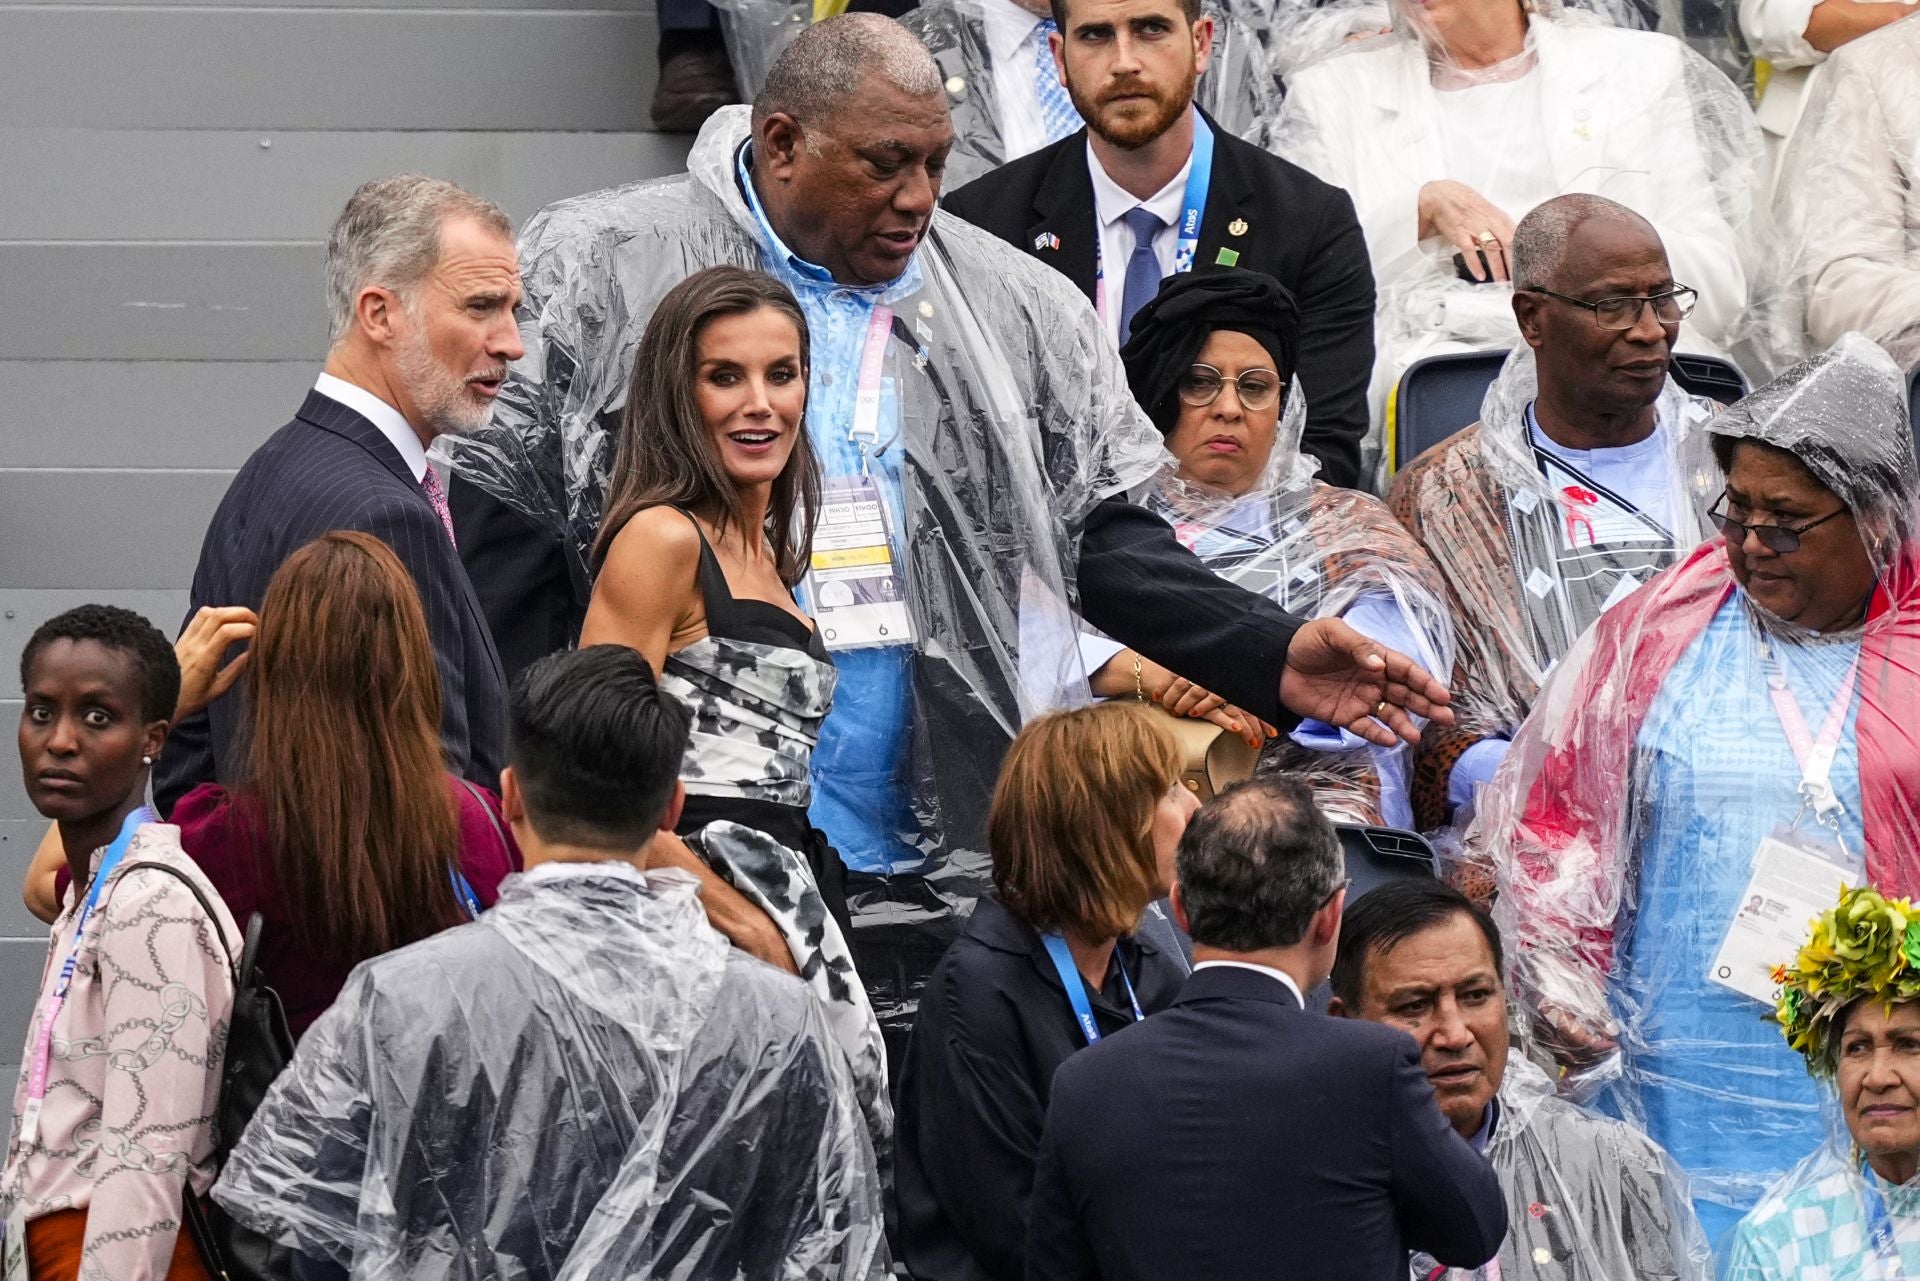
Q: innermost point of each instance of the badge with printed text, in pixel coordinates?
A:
(855, 587)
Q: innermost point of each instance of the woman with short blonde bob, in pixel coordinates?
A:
(1086, 815)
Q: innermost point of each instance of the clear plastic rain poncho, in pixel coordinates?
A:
(1586, 107)
(1588, 1197)
(1845, 245)
(1006, 420)
(1322, 552)
(1532, 557)
(1237, 89)
(1813, 1223)
(587, 1082)
(1658, 845)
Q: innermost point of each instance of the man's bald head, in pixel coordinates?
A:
(831, 62)
(1546, 238)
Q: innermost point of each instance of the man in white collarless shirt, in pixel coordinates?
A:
(1234, 1134)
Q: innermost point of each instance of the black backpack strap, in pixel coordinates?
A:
(226, 946)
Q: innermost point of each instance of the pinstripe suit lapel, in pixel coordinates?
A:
(328, 414)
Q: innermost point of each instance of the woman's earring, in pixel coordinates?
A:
(146, 760)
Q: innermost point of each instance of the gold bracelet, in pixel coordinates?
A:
(1139, 691)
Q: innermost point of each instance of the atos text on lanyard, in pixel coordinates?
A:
(1077, 989)
(1193, 209)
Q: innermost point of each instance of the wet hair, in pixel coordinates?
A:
(154, 666)
(1384, 918)
(1539, 250)
(831, 61)
(595, 747)
(1071, 825)
(1255, 864)
(344, 781)
(666, 456)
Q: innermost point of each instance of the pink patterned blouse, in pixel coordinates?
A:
(135, 1070)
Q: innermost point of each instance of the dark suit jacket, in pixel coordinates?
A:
(1234, 1135)
(994, 1026)
(1298, 230)
(331, 469)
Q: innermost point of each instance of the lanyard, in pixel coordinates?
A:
(865, 431)
(1880, 1225)
(463, 890)
(1815, 757)
(42, 1060)
(1193, 208)
(1077, 989)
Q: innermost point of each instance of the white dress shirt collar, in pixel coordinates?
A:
(1267, 970)
(382, 415)
(1009, 27)
(1111, 201)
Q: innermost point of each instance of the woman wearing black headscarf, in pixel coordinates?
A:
(1211, 360)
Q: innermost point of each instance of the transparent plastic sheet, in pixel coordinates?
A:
(1503, 538)
(1015, 421)
(1813, 1222)
(1588, 1197)
(1623, 826)
(1587, 106)
(1844, 249)
(585, 1083)
(1319, 552)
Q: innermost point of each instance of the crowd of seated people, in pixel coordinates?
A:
(680, 725)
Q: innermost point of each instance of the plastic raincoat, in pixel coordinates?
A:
(1530, 561)
(1812, 1225)
(587, 1082)
(1587, 107)
(1641, 827)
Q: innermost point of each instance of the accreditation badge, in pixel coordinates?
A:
(855, 587)
(1796, 875)
(14, 1250)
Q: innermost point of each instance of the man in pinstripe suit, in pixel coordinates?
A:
(422, 280)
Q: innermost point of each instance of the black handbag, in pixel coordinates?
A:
(259, 1047)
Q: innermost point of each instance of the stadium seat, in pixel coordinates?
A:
(1437, 396)
(1708, 376)
(1376, 855)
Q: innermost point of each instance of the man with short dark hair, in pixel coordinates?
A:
(1574, 488)
(1589, 1199)
(1154, 186)
(1234, 1134)
(567, 1086)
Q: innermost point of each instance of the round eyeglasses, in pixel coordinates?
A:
(1669, 308)
(1257, 388)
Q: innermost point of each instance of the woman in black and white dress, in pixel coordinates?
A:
(706, 531)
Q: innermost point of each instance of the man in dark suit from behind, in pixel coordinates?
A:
(1106, 205)
(1235, 1135)
(422, 279)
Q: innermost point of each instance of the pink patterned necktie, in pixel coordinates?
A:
(437, 495)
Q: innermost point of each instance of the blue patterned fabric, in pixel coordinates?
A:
(861, 785)
(1815, 1229)
(1706, 1076)
(1143, 267)
(1056, 106)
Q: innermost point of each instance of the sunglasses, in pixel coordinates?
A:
(1778, 539)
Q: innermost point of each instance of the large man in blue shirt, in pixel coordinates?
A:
(961, 386)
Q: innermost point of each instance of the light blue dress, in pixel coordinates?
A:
(1708, 1076)
(1816, 1228)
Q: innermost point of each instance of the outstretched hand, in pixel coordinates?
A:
(1337, 676)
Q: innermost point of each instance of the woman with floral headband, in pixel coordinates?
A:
(1851, 1004)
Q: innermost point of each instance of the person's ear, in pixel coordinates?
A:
(1056, 42)
(777, 144)
(152, 739)
(1338, 1008)
(376, 312)
(512, 807)
(1326, 922)
(1202, 43)
(1529, 310)
(1177, 901)
(676, 805)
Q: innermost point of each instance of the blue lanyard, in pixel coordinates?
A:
(464, 892)
(1193, 210)
(1077, 989)
(108, 862)
(1880, 1224)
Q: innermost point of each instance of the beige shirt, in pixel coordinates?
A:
(135, 1070)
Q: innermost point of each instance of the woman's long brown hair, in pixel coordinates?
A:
(666, 455)
(344, 776)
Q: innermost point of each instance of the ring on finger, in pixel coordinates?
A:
(1486, 238)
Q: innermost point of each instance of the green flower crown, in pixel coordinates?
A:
(1866, 945)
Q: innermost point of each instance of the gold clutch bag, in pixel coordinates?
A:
(1212, 759)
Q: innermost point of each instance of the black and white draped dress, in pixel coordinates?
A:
(758, 684)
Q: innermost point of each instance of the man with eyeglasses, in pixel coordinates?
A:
(1573, 489)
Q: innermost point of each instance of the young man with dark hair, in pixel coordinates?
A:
(1234, 1134)
(572, 1084)
(1156, 185)
(1589, 1198)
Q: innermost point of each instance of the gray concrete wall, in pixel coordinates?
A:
(168, 172)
